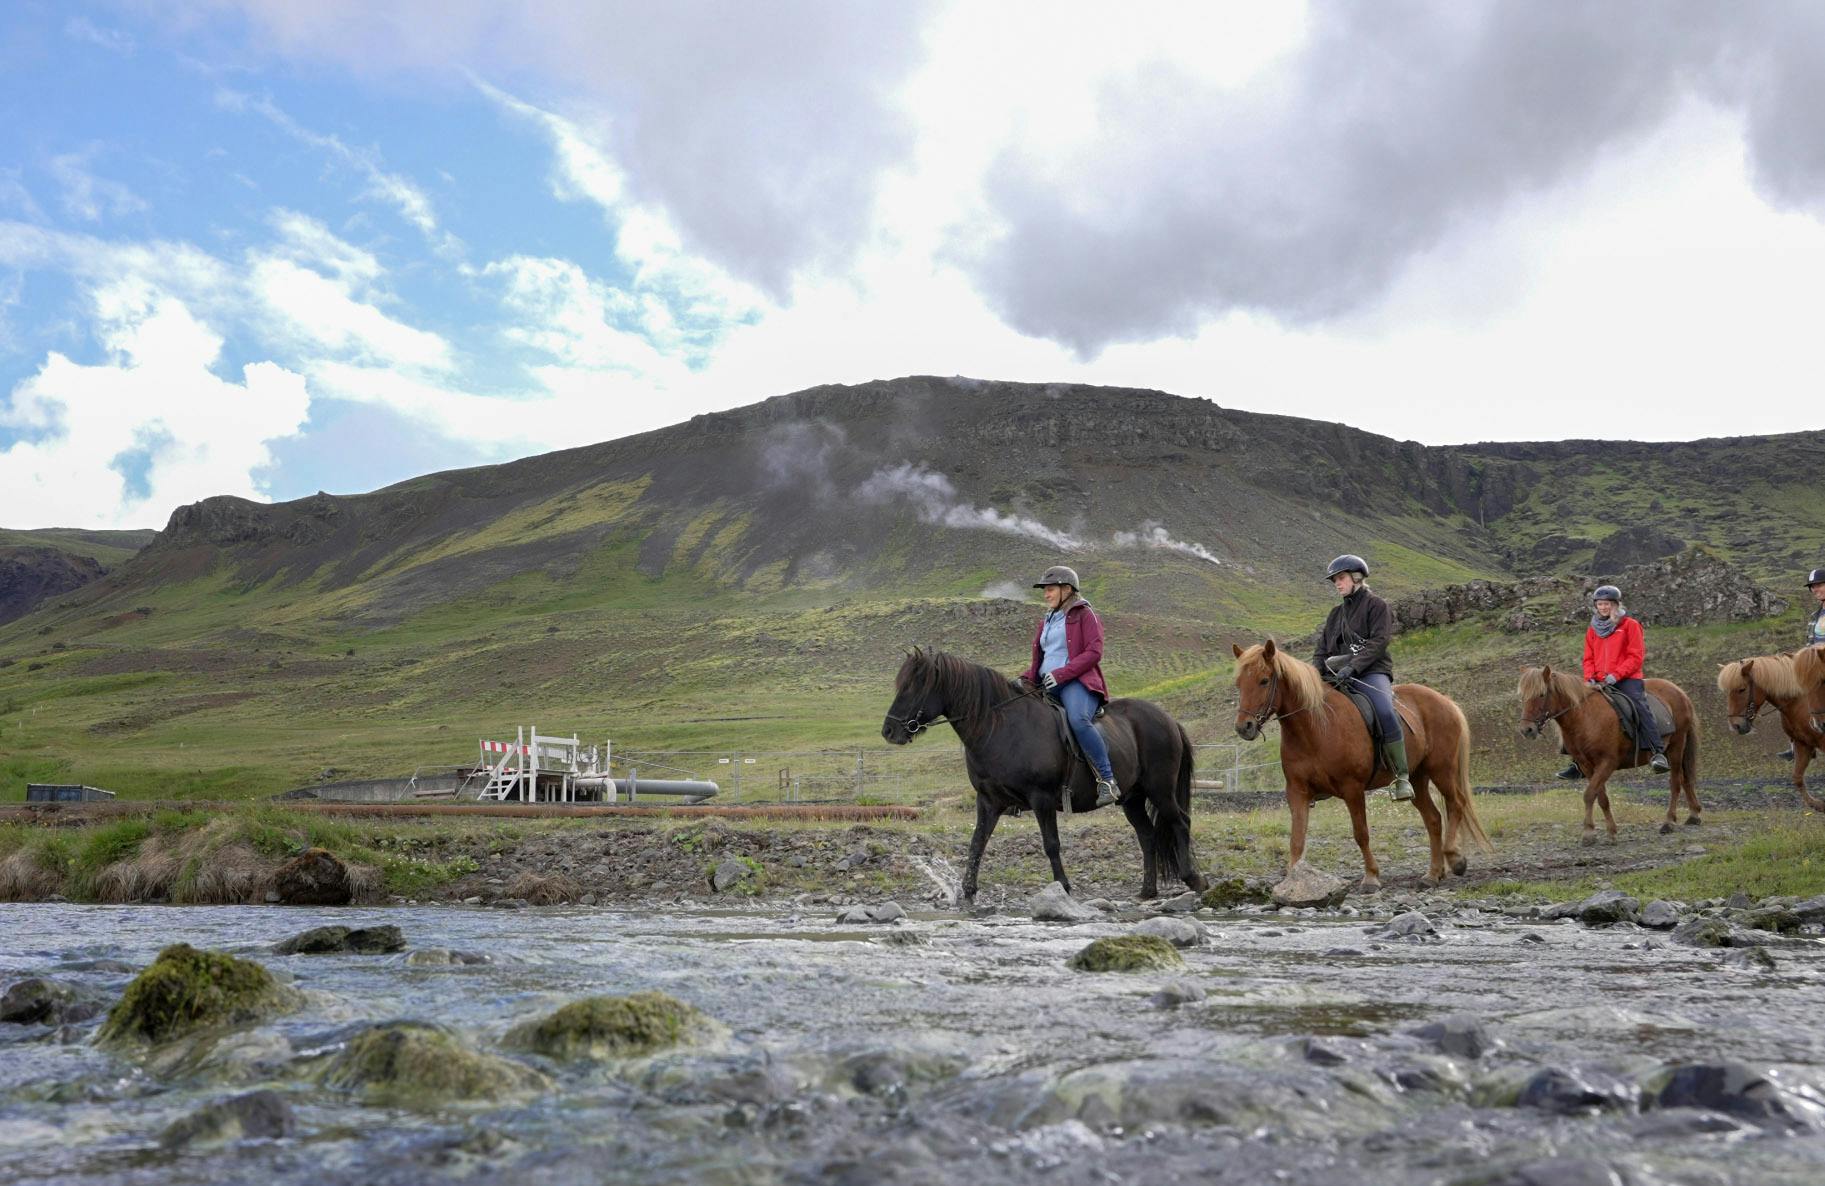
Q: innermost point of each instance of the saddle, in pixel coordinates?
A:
(1625, 712)
(1377, 739)
(1074, 753)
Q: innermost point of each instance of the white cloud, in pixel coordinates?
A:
(154, 409)
(313, 313)
(87, 196)
(81, 28)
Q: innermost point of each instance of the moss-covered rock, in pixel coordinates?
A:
(416, 1064)
(615, 1027)
(1128, 953)
(1230, 892)
(185, 990)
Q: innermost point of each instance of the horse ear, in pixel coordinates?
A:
(1267, 649)
(1237, 649)
(1546, 672)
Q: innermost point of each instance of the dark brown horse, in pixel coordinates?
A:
(1593, 736)
(1790, 684)
(1325, 753)
(1017, 761)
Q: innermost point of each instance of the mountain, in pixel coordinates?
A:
(37, 565)
(747, 578)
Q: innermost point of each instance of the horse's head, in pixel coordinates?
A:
(1257, 688)
(918, 698)
(1737, 682)
(1537, 707)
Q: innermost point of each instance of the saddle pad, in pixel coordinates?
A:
(1625, 712)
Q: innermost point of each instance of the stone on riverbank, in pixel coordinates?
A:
(1607, 906)
(1053, 904)
(37, 1001)
(256, 1115)
(884, 912)
(416, 1064)
(1180, 932)
(1231, 892)
(337, 940)
(1305, 885)
(315, 877)
(1128, 953)
(1659, 915)
(185, 989)
(615, 1027)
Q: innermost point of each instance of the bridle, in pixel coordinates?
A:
(917, 722)
(1538, 724)
(1270, 708)
(1752, 710)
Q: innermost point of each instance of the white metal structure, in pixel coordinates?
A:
(534, 768)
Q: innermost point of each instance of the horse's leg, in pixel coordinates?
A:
(1688, 774)
(987, 816)
(1672, 821)
(1602, 787)
(1435, 835)
(1802, 758)
(1134, 806)
(1301, 804)
(1048, 838)
(1600, 772)
(1359, 825)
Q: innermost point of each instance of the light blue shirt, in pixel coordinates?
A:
(1052, 643)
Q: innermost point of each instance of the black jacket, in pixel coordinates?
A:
(1361, 621)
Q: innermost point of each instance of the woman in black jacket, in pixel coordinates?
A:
(1353, 650)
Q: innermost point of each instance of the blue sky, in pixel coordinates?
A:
(265, 247)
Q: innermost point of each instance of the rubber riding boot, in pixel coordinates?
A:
(1570, 773)
(1107, 793)
(1658, 763)
(1401, 789)
(1785, 755)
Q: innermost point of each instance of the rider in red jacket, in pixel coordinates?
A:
(1613, 655)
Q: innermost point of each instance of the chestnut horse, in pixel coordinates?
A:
(1791, 684)
(1325, 753)
(1593, 736)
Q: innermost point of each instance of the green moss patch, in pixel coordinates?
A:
(416, 1064)
(185, 989)
(1128, 953)
(615, 1027)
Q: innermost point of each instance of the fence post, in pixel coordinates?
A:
(860, 776)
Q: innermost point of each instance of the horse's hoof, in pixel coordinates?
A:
(1196, 883)
(1458, 865)
(1609, 837)
(1369, 885)
(1429, 881)
(1693, 821)
(1666, 827)
(1589, 838)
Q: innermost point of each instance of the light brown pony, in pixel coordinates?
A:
(1593, 736)
(1325, 753)
(1792, 684)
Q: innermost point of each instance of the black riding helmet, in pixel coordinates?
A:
(1348, 563)
(1815, 577)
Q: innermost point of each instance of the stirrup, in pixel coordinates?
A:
(1107, 793)
(1659, 761)
(1397, 786)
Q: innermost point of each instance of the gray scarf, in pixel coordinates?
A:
(1607, 626)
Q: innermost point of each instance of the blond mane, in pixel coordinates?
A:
(1809, 667)
(1774, 675)
(1569, 687)
(1301, 687)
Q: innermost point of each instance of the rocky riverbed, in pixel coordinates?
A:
(1400, 1040)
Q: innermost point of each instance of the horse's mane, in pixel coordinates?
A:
(970, 689)
(1534, 683)
(1809, 666)
(1775, 674)
(1303, 687)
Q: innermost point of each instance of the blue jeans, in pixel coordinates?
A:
(1080, 709)
(1637, 692)
(1380, 690)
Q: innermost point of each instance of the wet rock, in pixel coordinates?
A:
(316, 941)
(1128, 953)
(1103, 904)
(1811, 911)
(1323, 1052)
(1739, 901)
(1180, 932)
(376, 940)
(1174, 993)
(1749, 959)
(1185, 903)
(1343, 952)
(1309, 886)
(729, 873)
(258, 1115)
(185, 989)
(1607, 906)
(615, 1027)
(884, 912)
(1778, 919)
(1230, 892)
(314, 877)
(1559, 1171)
(1410, 925)
(416, 1064)
(37, 1001)
(901, 939)
(1659, 915)
(444, 957)
(1578, 1092)
(1053, 904)
(1737, 1089)
(101, 965)
(1710, 932)
(1458, 1034)
(1532, 937)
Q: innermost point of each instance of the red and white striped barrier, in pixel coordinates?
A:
(504, 747)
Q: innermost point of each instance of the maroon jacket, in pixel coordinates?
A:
(1084, 645)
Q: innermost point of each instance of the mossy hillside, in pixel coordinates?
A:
(418, 1065)
(185, 990)
(1128, 953)
(600, 1028)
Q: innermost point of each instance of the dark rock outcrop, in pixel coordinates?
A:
(314, 877)
(30, 576)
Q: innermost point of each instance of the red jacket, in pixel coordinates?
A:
(1084, 645)
(1620, 655)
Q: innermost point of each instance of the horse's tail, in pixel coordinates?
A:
(1461, 792)
(1172, 822)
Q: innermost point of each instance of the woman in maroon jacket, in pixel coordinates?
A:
(1067, 661)
(1614, 653)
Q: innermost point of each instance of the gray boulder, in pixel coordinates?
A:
(1053, 904)
(1607, 906)
(1180, 932)
(1305, 885)
(729, 873)
(1185, 903)
(1578, 1092)
(1737, 1089)
(884, 912)
(1659, 915)
(1458, 1034)
(256, 1115)
(1411, 925)
(37, 1001)
(1174, 993)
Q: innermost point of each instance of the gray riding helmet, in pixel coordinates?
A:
(1607, 593)
(1348, 563)
(1058, 574)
